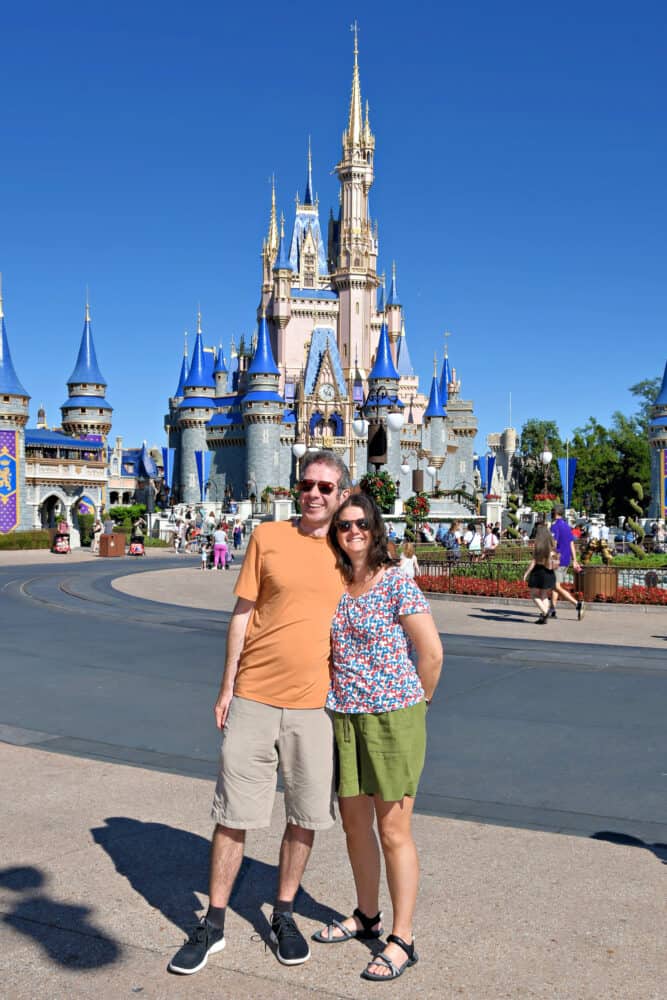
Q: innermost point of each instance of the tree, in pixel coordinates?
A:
(647, 391)
(534, 434)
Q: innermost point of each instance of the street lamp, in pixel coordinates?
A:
(299, 449)
(545, 459)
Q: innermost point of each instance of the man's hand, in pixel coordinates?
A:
(221, 707)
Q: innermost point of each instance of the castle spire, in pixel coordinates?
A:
(263, 362)
(9, 382)
(184, 368)
(384, 367)
(282, 260)
(86, 371)
(308, 199)
(446, 378)
(272, 238)
(393, 299)
(355, 120)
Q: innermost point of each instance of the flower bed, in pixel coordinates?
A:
(475, 587)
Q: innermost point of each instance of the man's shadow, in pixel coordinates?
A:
(65, 932)
(167, 866)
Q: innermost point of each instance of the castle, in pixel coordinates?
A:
(329, 365)
(657, 438)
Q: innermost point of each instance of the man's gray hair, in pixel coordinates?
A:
(328, 457)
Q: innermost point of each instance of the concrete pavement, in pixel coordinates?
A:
(103, 867)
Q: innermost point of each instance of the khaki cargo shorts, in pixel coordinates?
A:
(256, 740)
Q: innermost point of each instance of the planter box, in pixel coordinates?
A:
(112, 545)
(594, 580)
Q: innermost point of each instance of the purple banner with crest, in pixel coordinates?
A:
(9, 481)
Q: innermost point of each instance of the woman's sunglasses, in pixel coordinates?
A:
(362, 524)
(325, 488)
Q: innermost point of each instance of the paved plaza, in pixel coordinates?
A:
(541, 822)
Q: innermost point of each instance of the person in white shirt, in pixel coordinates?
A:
(408, 562)
(490, 540)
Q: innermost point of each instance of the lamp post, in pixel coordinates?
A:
(545, 459)
(359, 429)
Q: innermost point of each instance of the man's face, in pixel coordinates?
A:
(317, 508)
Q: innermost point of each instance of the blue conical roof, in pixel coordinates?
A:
(662, 395)
(9, 382)
(282, 260)
(403, 362)
(86, 370)
(220, 363)
(380, 300)
(182, 377)
(384, 363)
(308, 199)
(435, 407)
(445, 378)
(147, 467)
(393, 299)
(263, 362)
(200, 375)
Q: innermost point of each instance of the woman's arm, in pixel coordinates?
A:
(527, 573)
(422, 633)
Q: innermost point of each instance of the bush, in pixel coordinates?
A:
(121, 514)
(381, 487)
(86, 522)
(25, 540)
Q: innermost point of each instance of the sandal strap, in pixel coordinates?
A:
(409, 949)
(367, 922)
(345, 931)
(395, 972)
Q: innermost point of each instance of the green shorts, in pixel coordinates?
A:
(380, 754)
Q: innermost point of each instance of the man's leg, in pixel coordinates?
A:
(294, 853)
(226, 857)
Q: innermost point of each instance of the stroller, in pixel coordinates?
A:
(61, 542)
(137, 547)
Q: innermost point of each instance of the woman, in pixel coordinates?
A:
(220, 548)
(379, 701)
(408, 562)
(540, 575)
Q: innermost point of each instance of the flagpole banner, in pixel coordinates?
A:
(168, 466)
(9, 481)
(206, 472)
(490, 466)
(199, 462)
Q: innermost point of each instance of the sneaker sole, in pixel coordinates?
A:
(287, 961)
(218, 946)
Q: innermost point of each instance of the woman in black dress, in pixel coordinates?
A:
(540, 575)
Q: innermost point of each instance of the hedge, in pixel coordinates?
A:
(25, 540)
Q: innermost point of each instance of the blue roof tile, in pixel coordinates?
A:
(9, 382)
(90, 402)
(384, 363)
(263, 362)
(53, 439)
(86, 370)
(197, 403)
(435, 407)
(201, 369)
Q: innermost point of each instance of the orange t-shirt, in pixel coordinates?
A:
(294, 582)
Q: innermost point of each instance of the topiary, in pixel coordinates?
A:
(513, 517)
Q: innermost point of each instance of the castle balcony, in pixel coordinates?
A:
(51, 469)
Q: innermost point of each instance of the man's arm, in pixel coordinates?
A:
(235, 640)
(573, 554)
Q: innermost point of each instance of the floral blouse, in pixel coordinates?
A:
(372, 669)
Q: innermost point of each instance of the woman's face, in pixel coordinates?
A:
(353, 537)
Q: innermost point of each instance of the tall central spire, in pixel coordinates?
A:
(355, 119)
(308, 200)
(272, 238)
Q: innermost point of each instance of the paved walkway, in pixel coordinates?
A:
(103, 867)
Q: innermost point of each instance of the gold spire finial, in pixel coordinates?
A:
(355, 122)
(87, 306)
(282, 226)
(393, 270)
(446, 335)
(435, 364)
(272, 239)
(185, 343)
(198, 318)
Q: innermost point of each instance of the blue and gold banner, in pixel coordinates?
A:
(9, 481)
(663, 483)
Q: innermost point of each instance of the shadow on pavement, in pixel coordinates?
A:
(65, 932)
(660, 850)
(168, 866)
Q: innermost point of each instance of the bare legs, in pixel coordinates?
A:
(560, 591)
(541, 598)
(227, 854)
(394, 821)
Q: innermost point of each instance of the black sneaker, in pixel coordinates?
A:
(552, 613)
(291, 946)
(205, 940)
(581, 610)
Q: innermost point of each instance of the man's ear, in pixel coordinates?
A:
(344, 494)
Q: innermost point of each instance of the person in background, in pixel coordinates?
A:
(490, 541)
(205, 551)
(219, 548)
(408, 562)
(97, 534)
(379, 699)
(540, 575)
(567, 556)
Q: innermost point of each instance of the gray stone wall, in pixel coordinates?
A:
(193, 438)
(263, 456)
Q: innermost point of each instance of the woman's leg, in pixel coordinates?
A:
(357, 814)
(402, 866)
(541, 600)
(217, 555)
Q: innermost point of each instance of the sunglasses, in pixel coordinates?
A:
(308, 485)
(362, 524)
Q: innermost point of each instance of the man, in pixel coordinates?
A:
(271, 708)
(567, 555)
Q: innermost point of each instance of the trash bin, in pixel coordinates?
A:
(592, 581)
(112, 545)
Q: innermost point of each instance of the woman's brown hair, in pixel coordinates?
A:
(544, 545)
(378, 553)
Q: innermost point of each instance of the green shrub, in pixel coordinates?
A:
(86, 522)
(25, 540)
(156, 543)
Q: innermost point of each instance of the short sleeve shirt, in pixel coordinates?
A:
(563, 535)
(373, 671)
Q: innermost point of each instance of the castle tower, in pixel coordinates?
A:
(435, 424)
(86, 413)
(657, 438)
(355, 276)
(14, 400)
(384, 446)
(269, 249)
(220, 374)
(282, 283)
(461, 431)
(171, 419)
(262, 408)
(194, 411)
(393, 315)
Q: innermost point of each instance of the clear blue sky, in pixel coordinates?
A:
(520, 186)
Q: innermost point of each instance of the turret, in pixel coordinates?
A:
(393, 316)
(194, 411)
(220, 373)
(435, 422)
(14, 402)
(262, 407)
(86, 413)
(383, 409)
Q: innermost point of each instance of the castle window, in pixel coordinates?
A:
(356, 308)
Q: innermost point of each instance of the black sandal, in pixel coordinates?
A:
(394, 970)
(325, 936)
